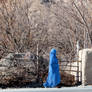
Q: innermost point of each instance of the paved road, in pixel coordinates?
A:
(71, 89)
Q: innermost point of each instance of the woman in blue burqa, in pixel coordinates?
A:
(53, 78)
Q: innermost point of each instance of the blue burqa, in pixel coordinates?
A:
(53, 78)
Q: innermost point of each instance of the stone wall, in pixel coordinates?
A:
(21, 68)
(85, 56)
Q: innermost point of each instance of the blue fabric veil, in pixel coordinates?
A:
(53, 78)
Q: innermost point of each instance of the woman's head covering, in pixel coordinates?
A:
(53, 51)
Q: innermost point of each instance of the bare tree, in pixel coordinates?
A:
(59, 25)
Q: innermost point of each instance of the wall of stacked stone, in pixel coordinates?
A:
(85, 56)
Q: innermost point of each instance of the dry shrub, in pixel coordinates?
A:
(59, 25)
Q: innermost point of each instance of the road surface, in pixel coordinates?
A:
(66, 89)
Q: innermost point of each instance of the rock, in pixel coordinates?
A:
(67, 79)
(85, 56)
(10, 56)
(20, 68)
